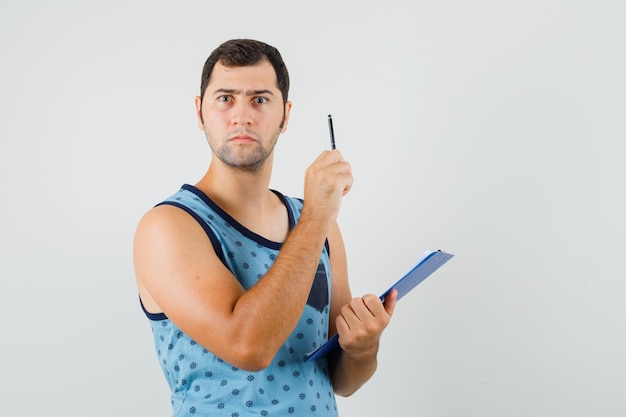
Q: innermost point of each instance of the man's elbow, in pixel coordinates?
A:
(346, 391)
(250, 357)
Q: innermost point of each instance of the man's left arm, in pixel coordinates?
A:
(359, 321)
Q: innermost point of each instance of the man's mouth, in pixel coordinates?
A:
(242, 138)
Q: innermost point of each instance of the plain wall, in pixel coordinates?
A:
(491, 129)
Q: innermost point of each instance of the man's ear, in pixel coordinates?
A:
(286, 118)
(199, 112)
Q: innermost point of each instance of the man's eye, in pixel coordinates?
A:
(225, 99)
(260, 100)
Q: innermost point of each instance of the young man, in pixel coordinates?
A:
(240, 282)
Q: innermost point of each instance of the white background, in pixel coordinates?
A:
(492, 129)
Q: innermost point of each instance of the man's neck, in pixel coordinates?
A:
(244, 195)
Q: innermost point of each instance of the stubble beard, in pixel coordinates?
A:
(251, 160)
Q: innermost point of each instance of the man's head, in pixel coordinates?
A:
(244, 52)
(243, 105)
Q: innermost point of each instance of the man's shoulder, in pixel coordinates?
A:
(295, 201)
(185, 192)
(168, 211)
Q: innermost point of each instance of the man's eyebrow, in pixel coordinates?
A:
(246, 92)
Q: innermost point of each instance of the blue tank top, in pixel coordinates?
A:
(203, 384)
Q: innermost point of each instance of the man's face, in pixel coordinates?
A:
(242, 114)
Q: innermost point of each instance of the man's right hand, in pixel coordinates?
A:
(326, 181)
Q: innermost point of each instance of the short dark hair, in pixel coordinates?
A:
(244, 52)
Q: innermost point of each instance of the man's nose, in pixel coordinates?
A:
(241, 114)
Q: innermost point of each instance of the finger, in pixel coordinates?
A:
(373, 304)
(390, 301)
(336, 155)
(341, 324)
(365, 309)
(334, 162)
(350, 313)
(342, 173)
(329, 157)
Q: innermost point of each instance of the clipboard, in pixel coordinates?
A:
(426, 265)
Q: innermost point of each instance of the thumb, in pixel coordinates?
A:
(390, 301)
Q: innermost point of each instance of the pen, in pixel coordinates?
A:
(332, 132)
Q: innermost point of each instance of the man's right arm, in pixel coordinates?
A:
(178, 271)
